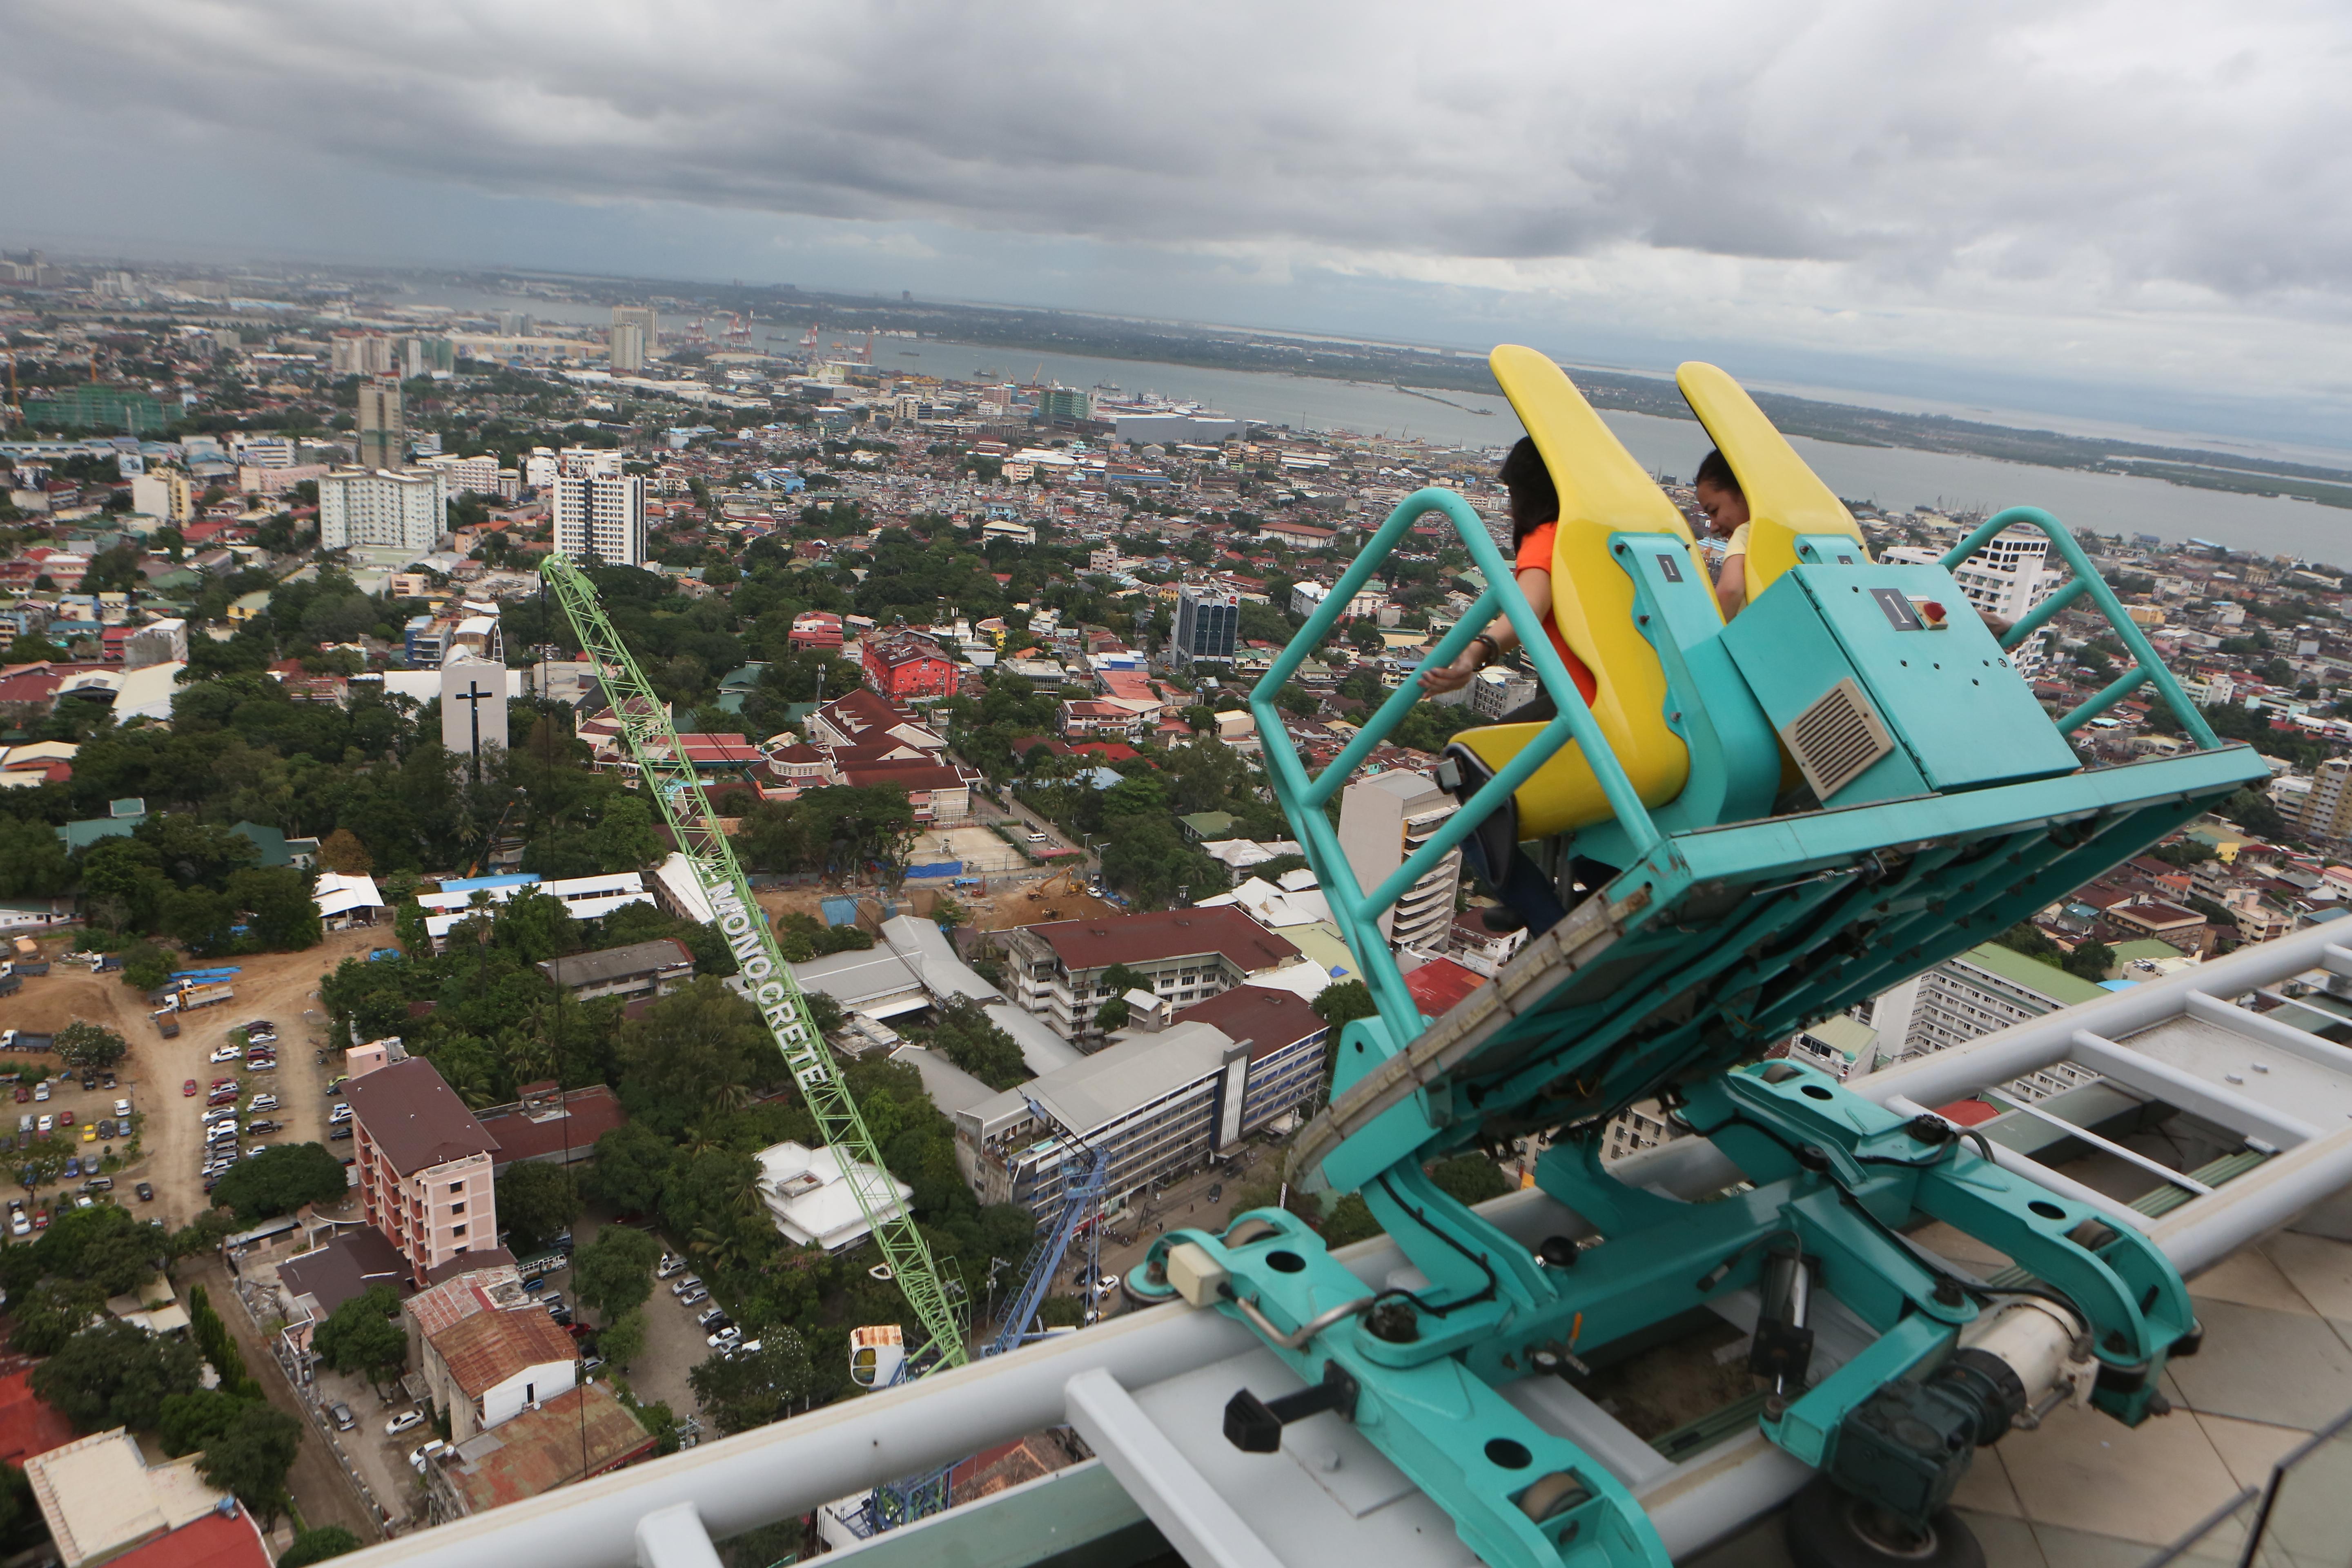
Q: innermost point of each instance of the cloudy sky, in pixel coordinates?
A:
(2129, 211)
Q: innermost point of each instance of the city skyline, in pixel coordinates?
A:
(1946, 206)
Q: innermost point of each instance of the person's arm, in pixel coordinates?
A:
(1731, 586)
(1534, 587)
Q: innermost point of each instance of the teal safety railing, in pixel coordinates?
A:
(2146, 668)
(1303, 798)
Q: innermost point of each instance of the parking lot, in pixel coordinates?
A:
(280, 987)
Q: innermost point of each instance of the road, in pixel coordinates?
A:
(321, 1491)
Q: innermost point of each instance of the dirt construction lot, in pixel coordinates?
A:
(281, 986)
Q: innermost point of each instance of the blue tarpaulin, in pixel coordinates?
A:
(204, 974)
(937, 868)
(839, 912)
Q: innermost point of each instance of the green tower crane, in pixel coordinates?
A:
(669, 779)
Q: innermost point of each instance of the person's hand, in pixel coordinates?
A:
(1451, 677)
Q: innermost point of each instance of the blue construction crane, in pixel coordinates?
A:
(910, 1497)
(1845, 785)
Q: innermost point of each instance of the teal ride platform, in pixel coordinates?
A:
(1852, 783)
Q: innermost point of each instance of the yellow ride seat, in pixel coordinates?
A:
(1602, 492)
(1785, 500)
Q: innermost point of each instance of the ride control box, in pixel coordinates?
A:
(1884, 683)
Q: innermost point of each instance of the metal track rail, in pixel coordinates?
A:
(1147, 1390)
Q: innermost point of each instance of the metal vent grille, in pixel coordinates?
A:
(1837, 739)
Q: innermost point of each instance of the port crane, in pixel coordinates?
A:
(1843, 787)
(940, 1310)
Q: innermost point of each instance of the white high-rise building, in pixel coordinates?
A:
(381, 509)
(629, 346)
(1383, 819)
(590, 462)
(600, 517)
(468, 475)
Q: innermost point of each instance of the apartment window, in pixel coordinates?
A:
(456, 1208)
(456, 1187)
(459, 1230)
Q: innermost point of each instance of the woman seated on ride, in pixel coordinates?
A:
(1726, 505)
(1529, 896)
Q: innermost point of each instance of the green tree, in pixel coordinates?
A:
(191, 1421)
(283, 917)
(2090, 961)
(633, 1169)
(745, 1391)
(536, 1203)
(615, 1273)
(1341, 1004)
(116, 1374)
(1470, 1178)
(318, 1544)
(251, 1459)
(1350, 1220)
(1112, 1014)
(51, 1315)
(623, 1339)
(685, 1054)
(33, 862)
(280, 1179)
(82, 1044)
(364, 1335)
(966, 1037)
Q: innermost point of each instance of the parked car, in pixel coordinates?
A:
(146, 1193)
(73, 1166)
(23, 1094)
(189, 1087)
(552, 1302)
(41, 1090)
(695, 1297)
(263, 1126)
(426, 1454)
(668, 1265)
(65, 1119)
(122, 1108)
(725, 1340)
(533, 1286)
(342, 1113)
(226, 1054)
(45, 1123)
(716, 1318)
(17, 1224)
(98, 1184)
(265, 1102)
(337, 1134)
(260, 1026)
(90, 1133)
(691, 1282)
(406, 1421)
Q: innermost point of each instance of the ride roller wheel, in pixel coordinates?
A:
(1554, 1494)
(1830, 1528)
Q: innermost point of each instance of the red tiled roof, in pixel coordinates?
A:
(28, 1425)
(216, 1541)
(1439, 986)
(906, 775)
(1269, 1018)
(543, 1449)
(410, 1111)
(485, 1350)
(1165, 933)
(594, 1111)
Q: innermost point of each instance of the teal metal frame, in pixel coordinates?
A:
(1726, 929)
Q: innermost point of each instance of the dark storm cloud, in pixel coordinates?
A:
(2139, 145)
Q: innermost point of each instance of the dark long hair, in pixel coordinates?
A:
(1535, 500)
(1714, 469)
